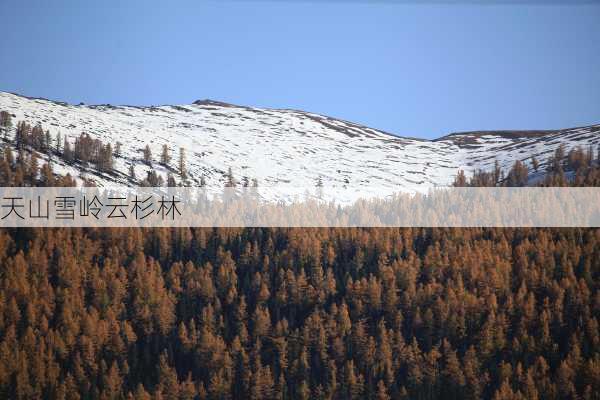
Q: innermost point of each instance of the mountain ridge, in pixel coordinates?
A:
(208, 102)
(283, 147)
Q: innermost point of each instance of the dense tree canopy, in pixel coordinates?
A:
(298, 313)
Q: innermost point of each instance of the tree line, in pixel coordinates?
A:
(577, 167)
(92, 152)
(267, 313)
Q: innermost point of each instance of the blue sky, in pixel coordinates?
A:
(411, 69)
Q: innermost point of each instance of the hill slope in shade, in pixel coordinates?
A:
(284, 147)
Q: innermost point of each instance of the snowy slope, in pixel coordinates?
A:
(284, 147)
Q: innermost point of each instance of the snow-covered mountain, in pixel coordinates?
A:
(287, 148)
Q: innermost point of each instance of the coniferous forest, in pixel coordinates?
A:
(405, 313)
(299, 313)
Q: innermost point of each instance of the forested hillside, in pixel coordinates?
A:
(301, 313)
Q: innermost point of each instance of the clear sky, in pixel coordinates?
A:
(412, 69)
